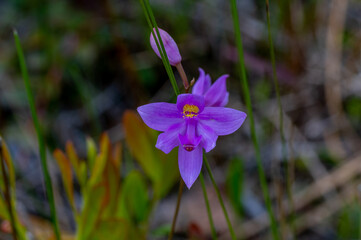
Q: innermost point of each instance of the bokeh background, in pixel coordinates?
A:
(91, 61)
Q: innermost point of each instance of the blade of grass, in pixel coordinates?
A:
(154, 29)
(247, 96)
(209, 212)
(41, 141)
(233, 235)
(283, 139)
(85, 94)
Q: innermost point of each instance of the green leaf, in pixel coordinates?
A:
(73, 157)
(92, 209)
(235, 179)
(66, 175)
(100, 160)
(92, 152)
(134, 200)
(9, 163)
(161, 168)
(161, 231)
(348, 223)
(141, 142)
(111, 176)
(170, 172)
(111, 229)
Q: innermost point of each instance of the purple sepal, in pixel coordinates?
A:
(160, 116)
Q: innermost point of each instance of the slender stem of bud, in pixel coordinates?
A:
(183, 76)
(180, 191)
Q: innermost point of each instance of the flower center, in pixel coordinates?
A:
(190, 111)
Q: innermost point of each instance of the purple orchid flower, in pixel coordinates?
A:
(191, 125)
(215, 95)
(170, 47)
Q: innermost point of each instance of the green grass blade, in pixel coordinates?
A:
(283, 139)
(86, 97)
(209, 212)
(233, 235)
(247, 96)
(153, 24)
(41, 141)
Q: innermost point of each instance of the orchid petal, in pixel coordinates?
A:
(217, 93)
(209, 137)
(169, 139)
(222, 120)
(160, 116)
(225, 100)
(190, 99)
(190, 164)
(202, 84)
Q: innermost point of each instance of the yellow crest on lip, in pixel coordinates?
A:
(190, 111)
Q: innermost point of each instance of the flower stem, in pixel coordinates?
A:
(180, 191)
(154, 29)
(7, 193)
(183, 77)
(209, 212)
(41, 141)
(283, 139)
(246, 93)
(219, 198)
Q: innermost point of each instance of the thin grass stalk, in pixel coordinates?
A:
(160, 45)
(41, 141)
(7, 193)
(283, 139)
(233, 235)
(167, 67)
(180, 191)
(247, 96)
(209, 212)
(86, 98)
(154, 29)
(281, 126)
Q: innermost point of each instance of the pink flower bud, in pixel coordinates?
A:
(170, 46)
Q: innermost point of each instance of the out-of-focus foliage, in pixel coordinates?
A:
(112, 206)
(348, 222)
(102, 212)
(5, 206)
(235, 181)
(162, 169)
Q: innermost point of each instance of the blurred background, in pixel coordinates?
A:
(91, 65)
